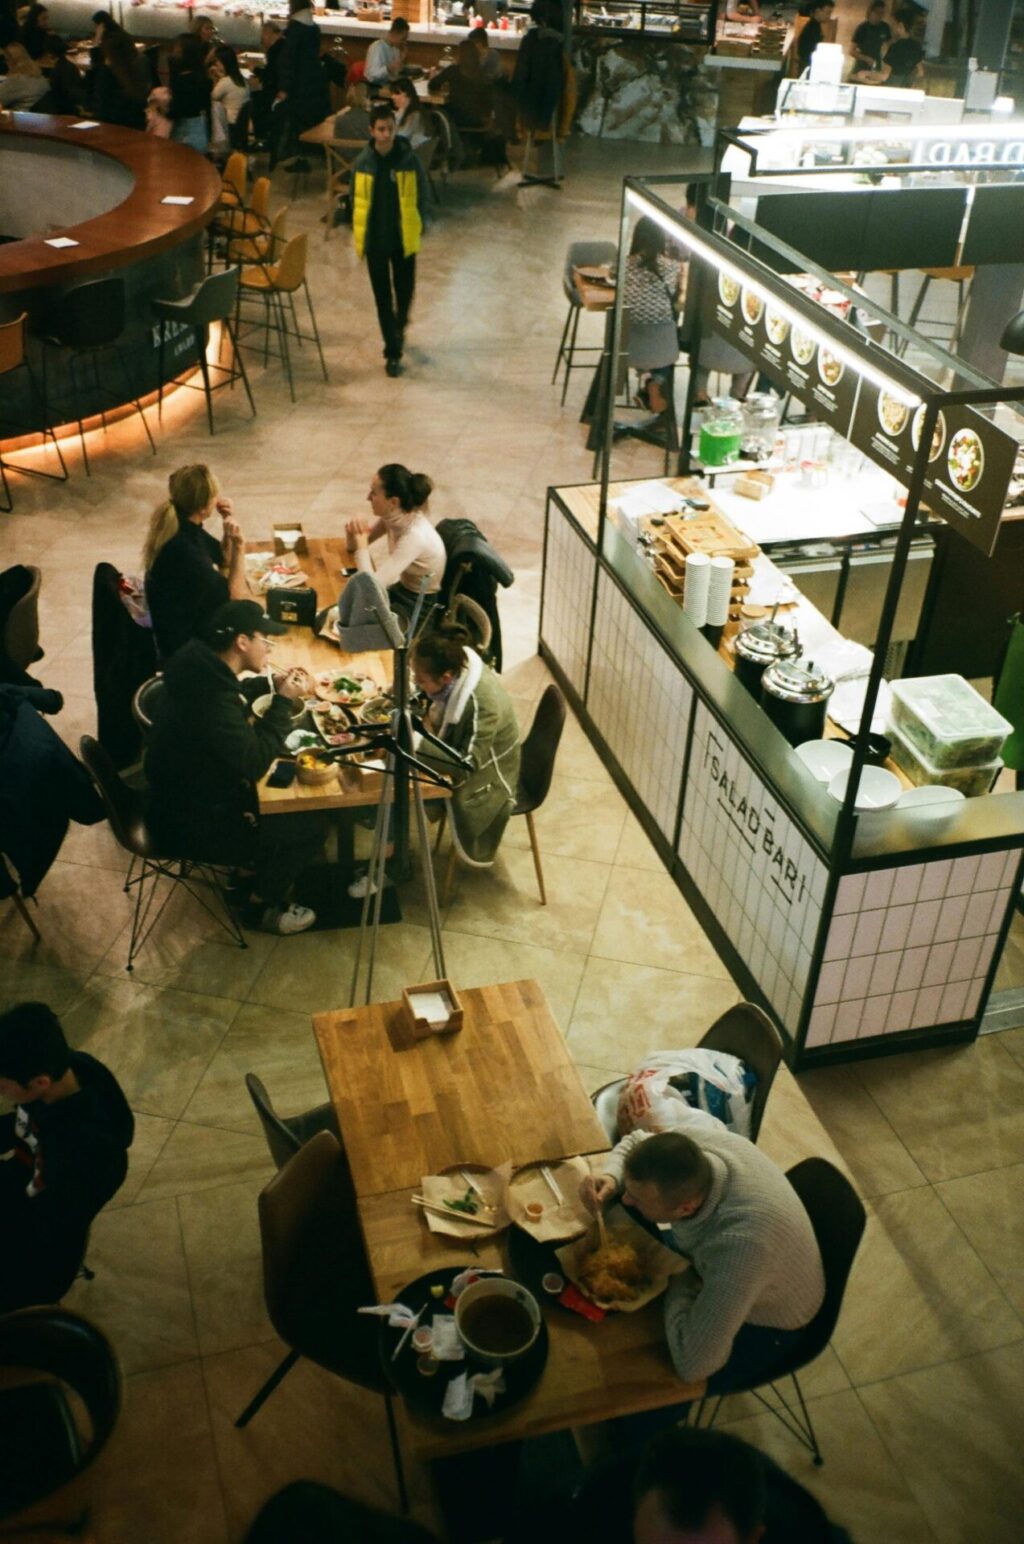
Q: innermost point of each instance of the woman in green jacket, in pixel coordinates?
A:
(472, 713)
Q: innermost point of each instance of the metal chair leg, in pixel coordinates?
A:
(276, 1377)
(449, 876)
(561, 344)
(23, 912)
(536, 857)
(569, 366)
(133, 395)
(286, 353)
(316, 330)
(160, 371)
(238, 363)
(202, 340)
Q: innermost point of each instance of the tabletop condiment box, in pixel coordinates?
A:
(289, 538)
(412, 1009)
(296, 607)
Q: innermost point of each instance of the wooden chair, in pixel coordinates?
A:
(316, 1275)
(339, 158)
(275, 284)
(286, 1134)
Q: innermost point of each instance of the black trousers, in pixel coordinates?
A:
(393, 278)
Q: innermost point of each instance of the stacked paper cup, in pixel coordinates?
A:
(720, 572)
(695, 590)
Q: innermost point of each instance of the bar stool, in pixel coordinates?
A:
(232, 221)
(13, 357)
(961, 277)
(263, 246)
(587, 254)
(275, 283)
(89, 321)
(213, 300)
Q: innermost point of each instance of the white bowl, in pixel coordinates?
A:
(825, 758)
(878, 789)
(932, 801)
(262, 705)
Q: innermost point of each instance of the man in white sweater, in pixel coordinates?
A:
(757, 1278)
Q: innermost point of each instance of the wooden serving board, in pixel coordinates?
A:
(710, 533)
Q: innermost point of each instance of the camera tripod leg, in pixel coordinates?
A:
(427, 859)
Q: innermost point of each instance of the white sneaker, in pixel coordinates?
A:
(290, 919)
(362, 886)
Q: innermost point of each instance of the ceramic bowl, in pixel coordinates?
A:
(825, 758)
(932, 801)
(878, 788)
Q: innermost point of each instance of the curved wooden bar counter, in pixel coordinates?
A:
(110, 182)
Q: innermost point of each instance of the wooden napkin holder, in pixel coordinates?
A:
(419, 1026)
(281, 531)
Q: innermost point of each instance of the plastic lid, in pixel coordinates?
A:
(950, 708)
(765, 642)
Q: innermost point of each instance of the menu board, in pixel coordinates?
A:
(971, 460)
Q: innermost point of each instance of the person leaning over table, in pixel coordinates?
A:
(188, 573)
(205, 753)
(903, 64)
(870, 38)
(385, 57)
(756, 1280)
(415, 555)
(470, 710)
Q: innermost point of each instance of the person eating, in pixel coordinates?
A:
(188, 573)
(414, 558)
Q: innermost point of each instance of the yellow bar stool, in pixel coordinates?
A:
(276, 284)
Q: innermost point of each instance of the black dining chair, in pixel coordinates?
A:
(14, 363)
(146, 702)
(837, 1216)
(316, 1275)
(286, 1134)
(213, 300)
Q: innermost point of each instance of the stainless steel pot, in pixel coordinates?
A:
(795, 697)
(759, 646)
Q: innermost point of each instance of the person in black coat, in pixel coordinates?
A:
(66, 1145)
(206, 750)
(303, 89)
(120, 83)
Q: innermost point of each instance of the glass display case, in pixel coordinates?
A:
(691, 21)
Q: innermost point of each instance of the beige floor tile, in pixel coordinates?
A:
(645, 920)
(596, 1077)
(79, 914)
(635, 849)
(196, 1158)
(576, 758)
(859, 1484)
(579, 819)
(314, 1426)
(140, 1295)
(958, 1111)
(312, 972)
(1011, 967)
(824, 1375)
(221, 1236)
(189, 950)
(877, 1159)
(156, 1043)
(474, 961)
(94, 846)
(151, 1133)
(623, 1011)
(502, 902)
(954, 1431)
(990, 1209)
(30, 981)
(918, 1294)
(279, 1047)
(1012, 1040)
(157, 1480)
(790, 1130)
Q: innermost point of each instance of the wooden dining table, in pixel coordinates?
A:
(503, 1089)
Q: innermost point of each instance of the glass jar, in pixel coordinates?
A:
(721, 433)
(762, 414)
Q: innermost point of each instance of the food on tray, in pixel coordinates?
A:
(753, 307)
(470, 1203)
(892, 413)
(776, 326)
(728, 288)
(342, 688)
(312, 763)
(938, 437)
(613, 1273)
(966, 460)
(829, 367)
(377, 711)
(802, 346)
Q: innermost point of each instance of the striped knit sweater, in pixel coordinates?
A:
(752, 1246)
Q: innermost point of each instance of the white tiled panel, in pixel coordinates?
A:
(568, 588)
(910, 947)
(755, 869)
(640, 702)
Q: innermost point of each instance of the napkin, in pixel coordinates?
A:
(558, 1221)
(493, 1183)
(446, 1347)
(399, 1317)
(458, 1396)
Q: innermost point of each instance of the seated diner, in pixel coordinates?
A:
(415, 556)
(188, 573)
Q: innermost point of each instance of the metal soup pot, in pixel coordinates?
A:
(756, 648)
(795, 697)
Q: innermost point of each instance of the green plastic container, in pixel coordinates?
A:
(947, 722)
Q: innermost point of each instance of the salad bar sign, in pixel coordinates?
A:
(970, 461)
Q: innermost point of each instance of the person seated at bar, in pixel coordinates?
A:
(24, 84)
(35, 32)
(870, 38)
(651, 300)
(120, 82)
(410, 118)
(903, 64)
(353, 122)
(188, 573)
(205, 753)
(490, 60)
(385, 57)
(717, 1199)
(470, 710)
(67, 91)
(66, 1149)
(415, 556)
(190, 88)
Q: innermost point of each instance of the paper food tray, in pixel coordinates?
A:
(558, 1221)
(659, 1262)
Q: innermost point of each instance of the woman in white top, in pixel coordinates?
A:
(415, 554)
(229, 88)
(24, 84)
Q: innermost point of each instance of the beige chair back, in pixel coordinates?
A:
(259, 204)
(235, 177)
(290, 272)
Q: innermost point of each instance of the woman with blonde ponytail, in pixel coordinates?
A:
(188, 572)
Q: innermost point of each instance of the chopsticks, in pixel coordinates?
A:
(552, 1184)
(447, 1211)
(602, 1231)
(408, 1331)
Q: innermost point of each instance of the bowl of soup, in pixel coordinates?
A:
(498, 1320)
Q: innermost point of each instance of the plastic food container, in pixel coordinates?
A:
(947, 723)
(971, 781)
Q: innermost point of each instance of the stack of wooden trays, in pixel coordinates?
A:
(710, 533)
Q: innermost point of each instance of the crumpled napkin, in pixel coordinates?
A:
(446, 1347)
(458, 1396)
(399, 1317)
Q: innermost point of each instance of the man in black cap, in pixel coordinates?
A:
(206, 750)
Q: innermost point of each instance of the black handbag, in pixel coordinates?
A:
(297, 607)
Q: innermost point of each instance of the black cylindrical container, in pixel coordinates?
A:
(795, 697)
(758, 647)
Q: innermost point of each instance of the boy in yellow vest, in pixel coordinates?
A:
(389, 195)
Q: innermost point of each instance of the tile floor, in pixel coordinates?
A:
(918, 1399)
